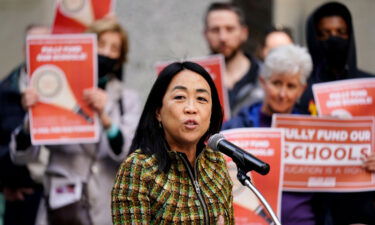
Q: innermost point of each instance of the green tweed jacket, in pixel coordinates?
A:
(185, 195)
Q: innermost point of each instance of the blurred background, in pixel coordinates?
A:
(163, 30)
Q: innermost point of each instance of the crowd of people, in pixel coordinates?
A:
(153, 166)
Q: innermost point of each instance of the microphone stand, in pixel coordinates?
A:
(246, 181)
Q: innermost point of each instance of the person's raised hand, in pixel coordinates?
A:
(29, 98)
(96, 98)
(369, 163)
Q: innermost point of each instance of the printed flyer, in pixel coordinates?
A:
(266, 144)
(74, 16)
(325, 153)
(60, 67)
(214, 64)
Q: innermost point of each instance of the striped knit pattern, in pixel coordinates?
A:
(144, 195)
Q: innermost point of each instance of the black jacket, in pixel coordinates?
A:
(11, 116)
(247, 90)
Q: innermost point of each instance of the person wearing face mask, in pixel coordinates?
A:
(90, 168)
(331, 42)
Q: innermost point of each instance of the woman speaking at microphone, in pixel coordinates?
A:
(171, 177)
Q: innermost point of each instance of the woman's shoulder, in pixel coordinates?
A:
(139, 156)
(136, 170)
(214, 156)
(138, 159)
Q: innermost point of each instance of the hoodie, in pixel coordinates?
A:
(321, 69)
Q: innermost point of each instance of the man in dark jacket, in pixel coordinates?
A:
(21, 193)
(226, 32)
(331, 43)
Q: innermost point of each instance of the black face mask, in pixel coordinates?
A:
(106, 67)
(336, 51)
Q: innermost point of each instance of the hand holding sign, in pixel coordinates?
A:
(96, 98)
(29, 98)
(369, 163)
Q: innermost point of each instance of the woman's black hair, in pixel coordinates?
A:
(149, 136)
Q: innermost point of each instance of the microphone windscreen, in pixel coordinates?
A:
(214, 140)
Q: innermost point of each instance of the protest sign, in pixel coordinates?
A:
(346, 98)
(265, 144)
(74, 16)
(325, 153)
(60, 68)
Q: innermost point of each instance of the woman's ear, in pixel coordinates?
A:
(157, 115)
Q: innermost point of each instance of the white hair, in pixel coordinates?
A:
(288, 60)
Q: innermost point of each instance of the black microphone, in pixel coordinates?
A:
(244, 160)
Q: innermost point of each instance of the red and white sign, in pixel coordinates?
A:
(74, 16)
(346, 98)
(214, 65)
(325, 154)
(60, 68)
(265, 144)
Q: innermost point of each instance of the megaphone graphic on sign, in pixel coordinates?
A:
(51, 85)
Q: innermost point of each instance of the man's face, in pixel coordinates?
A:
(224, 33)
(332, 26)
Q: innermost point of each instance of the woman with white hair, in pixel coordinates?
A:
(283, 79)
